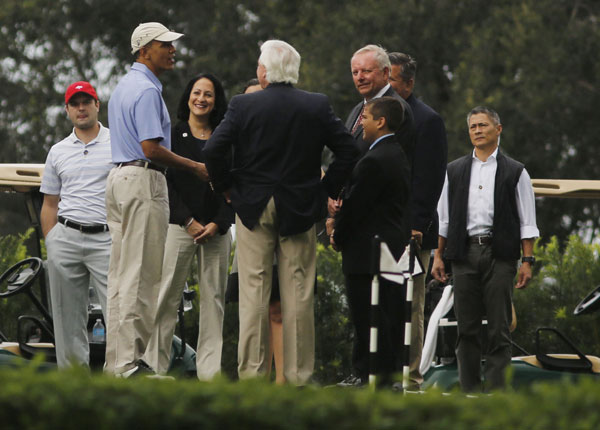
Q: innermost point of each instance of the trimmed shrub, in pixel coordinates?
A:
(76, 400)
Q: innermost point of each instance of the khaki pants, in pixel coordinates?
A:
(296, 259)
(417, 320)
(137, 207)
(213, 262)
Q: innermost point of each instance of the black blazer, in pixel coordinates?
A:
(428, 170)
(375, 204)
(188, 195)
(406, 135)
(277, 137)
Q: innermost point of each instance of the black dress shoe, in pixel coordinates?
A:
(141, 369)
(351, 381)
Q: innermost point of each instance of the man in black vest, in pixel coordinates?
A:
(484, 246)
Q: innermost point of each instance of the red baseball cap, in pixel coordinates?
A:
(80, 87)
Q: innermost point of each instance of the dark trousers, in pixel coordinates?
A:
(483, 288)
(390, 337)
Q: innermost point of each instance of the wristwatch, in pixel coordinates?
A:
(530, 260)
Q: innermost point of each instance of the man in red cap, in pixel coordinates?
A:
(74, 223)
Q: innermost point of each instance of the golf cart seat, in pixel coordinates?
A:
(563, 361)
(576, 362)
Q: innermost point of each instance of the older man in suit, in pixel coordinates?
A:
(370, 67)
(276, 137)
(376, 203)
(428, 171)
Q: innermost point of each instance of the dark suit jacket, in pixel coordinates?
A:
(428, 170)
(375, 204)
(276, 137)
(406, 134)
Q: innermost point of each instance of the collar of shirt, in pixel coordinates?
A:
(103, 134)
(379, 139)
(380, 93)
(146, 71)
(493, 155)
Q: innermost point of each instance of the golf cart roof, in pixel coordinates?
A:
(566, 188)
(20, 177)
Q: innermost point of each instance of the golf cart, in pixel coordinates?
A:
(542, 365)
(34, 332)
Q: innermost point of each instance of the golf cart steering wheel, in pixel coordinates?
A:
(20, 276)
(590, 304)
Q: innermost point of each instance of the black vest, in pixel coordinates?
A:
(506, 239)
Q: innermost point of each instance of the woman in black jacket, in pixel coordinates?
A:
(199, 226)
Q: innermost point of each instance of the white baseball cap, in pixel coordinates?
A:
(149, 31)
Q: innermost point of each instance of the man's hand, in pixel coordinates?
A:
(201, 171)
(195, 229)
(332, 242)
(333, 206)
(329, 224)
(524, 276)
(418, 236)
(209, 231)
(438, 270)
(227, 195)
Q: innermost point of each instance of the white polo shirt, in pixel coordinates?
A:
(77, 173)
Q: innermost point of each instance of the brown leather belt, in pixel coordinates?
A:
(94, 228)
(143, 163)
(481, 240)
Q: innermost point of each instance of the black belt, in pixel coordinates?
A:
(95, 228)
(481, 240)
(143, 163)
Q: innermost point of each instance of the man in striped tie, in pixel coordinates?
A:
(370, 67)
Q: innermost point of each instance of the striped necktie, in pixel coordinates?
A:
(359, 119)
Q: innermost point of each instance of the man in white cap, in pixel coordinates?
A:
(137, 199)
(74, 223)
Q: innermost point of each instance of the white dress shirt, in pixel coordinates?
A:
(480, 208)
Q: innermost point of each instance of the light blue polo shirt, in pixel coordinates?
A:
(137, 112)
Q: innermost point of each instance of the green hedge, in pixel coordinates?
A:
(77, 400)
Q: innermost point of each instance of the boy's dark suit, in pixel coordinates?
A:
(375, 204)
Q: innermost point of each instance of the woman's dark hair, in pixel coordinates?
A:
(249, 84)
(218, 112)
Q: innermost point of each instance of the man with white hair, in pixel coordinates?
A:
(137, 198)
(277, 136)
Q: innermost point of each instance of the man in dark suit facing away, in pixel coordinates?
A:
(428, 172)
(376, 203)
(276, 137)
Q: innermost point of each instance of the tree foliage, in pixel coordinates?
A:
(534, 61)
(563, 279)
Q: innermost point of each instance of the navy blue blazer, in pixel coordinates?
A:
(276, 137)
(428, 170)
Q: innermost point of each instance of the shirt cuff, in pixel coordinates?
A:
(529, 232)
(443, 230)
